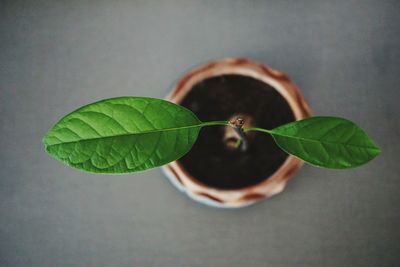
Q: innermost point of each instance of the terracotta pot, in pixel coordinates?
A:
(271, 185)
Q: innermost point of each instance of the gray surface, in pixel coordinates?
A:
(58, 55)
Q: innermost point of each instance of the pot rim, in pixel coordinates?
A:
(271, 185)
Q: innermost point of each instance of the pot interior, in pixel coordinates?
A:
(212, 160)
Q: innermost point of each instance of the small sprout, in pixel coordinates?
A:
(238, 122)
(237, 125)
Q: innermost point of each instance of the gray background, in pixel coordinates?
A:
(58, 55)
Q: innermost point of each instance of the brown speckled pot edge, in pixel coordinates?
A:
(273, 184)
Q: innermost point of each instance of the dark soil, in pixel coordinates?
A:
(210, 160)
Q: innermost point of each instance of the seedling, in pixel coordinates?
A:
(130, 134)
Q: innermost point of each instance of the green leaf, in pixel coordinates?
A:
(327, 142)
(124, 134)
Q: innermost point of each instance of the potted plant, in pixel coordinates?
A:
(247, 127)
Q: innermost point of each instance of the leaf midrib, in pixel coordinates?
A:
(129, 134)
(326, 142)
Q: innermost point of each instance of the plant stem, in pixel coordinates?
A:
(257, 129)
(212, 123)
(238, 143)
(242, 142)
(237, 125)
(242, 138)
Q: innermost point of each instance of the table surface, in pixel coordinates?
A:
(58, 55)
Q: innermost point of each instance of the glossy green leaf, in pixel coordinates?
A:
(124, 134)
(327, 142)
